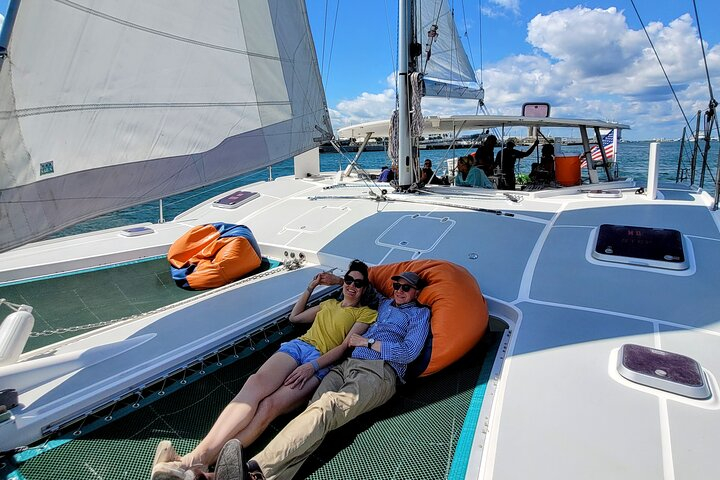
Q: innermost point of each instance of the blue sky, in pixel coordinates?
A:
(588, 59)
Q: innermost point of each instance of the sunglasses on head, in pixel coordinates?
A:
(359, 283)
(402, 286)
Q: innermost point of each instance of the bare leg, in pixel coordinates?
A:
(241, 410)
(284, 400)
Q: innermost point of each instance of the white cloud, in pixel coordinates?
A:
(600, 66)
(586, 63)
(598, 50)
(511, 5)
(364, 108)
(500, 8)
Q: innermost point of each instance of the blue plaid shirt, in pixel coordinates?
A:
(402, 329)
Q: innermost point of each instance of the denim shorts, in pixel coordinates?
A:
(303, 352)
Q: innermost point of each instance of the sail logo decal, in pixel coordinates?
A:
(46, 167)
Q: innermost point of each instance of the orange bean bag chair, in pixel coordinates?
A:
(209, 256)
(459, 310)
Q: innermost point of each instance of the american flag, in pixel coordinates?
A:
(607, 145)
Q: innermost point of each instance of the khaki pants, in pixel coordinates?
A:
(350, 389)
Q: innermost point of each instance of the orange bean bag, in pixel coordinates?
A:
(209, 256)
(459, 310)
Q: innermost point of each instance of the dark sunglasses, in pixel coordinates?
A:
(359, 283)
(402, 286)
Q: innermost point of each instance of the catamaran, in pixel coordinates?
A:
(599, 358)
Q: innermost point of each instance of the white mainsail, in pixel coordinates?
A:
(448, 72)
(107, 104)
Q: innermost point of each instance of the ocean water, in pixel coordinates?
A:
(632, 161)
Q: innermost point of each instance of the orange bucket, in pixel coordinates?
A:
(567, 170)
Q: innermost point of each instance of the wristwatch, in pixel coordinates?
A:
(371, 342)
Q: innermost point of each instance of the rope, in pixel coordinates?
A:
(661, 65)
(431, 38)
(393, 63)
(322, 57)
(481, 44)
(702, 46)
(332, 45)
(416, 119)
(12, 306)
(431, 202)
(393, 146)
(465, 34)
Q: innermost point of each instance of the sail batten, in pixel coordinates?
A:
(103, 109)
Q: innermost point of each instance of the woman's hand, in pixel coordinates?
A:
(299, 376)
(356, 340)
(314, 282)
(327, 278)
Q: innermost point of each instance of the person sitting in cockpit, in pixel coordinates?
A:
(471, 176)
(544, 171)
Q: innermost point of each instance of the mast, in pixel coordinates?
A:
(404, 140)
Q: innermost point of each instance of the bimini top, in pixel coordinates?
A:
(476, 122)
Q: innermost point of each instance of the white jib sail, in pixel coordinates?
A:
(111, 103)
(448, 72)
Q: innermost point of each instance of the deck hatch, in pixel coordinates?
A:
(415, 233)
(667, 371)
(235, 199)
(641, 246)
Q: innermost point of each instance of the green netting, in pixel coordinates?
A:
(413, 436)
(68, 305)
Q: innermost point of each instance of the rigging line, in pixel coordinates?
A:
(467, 37)
(393, 63)
(454, 53)
(712, 103)
(702, 46)
(436, 22)
(439, 7)
(322, 61)
(366, 178)
(677, 100)
(332, 44)
(394, 69)
(481, 45)
(707, 164)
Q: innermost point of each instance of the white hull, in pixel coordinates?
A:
(557, 400)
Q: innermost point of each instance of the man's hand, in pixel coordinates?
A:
(299, 376)
(356, 340)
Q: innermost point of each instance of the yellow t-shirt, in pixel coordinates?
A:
(333, 322)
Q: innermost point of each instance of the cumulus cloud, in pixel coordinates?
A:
(586, 63)
(364, 108)
(598, 49)
(596, 64)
